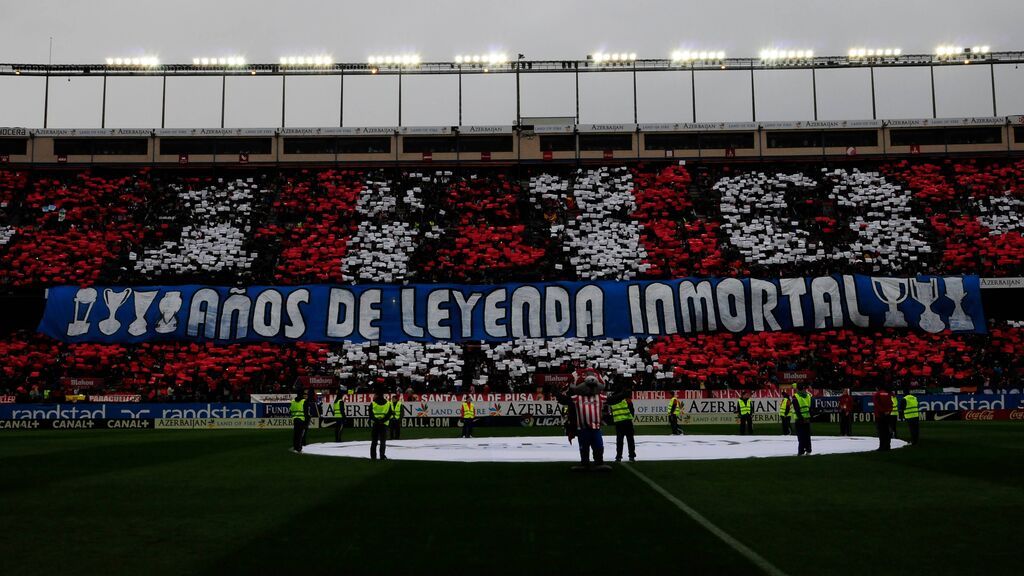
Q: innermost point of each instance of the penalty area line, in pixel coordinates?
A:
(722, 535)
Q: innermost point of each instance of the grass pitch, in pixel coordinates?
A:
(226, 502)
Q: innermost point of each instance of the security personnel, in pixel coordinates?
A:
(380, 415)
(802, 399)
(395, 426)
(883, 405)
(300, 420)
(786, 412)
(912, 416)
(338, 409)
(894, 416)
(622, 417)
(312, 411)
(468, 416)
(674, 410)
(744, 410)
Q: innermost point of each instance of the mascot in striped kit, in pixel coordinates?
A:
(587, 400)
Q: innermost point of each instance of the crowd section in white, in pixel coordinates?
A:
(760, 221)
(6, 233)
(217, 221)
(414, 361)
(380, 252)
(603, 243)
(1001, 214)
(756, 217)
(523, 357)
(888, 237)
(384, 244)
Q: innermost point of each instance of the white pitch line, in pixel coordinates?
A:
(722, 535)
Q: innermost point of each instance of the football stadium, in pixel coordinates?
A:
(583, 288)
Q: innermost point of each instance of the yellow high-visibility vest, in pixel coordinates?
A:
(744, 407)
(298, 409)
(380, 410)
(912, 410)
(803, 405)
(673, 407)
(468, 410)
(620, 411)
(397, 406)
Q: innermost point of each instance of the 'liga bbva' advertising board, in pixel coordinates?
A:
(441, 312)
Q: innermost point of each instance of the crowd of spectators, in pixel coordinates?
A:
(520, 224)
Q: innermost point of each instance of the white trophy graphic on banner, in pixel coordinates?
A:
(80, 325)
(114, 301)
(169, 306)
(892, 291)
(926, 293)
(958, 320)
(143, 300)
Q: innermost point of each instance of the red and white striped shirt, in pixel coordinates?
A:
(589, 410)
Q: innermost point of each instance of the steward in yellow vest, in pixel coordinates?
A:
(395, 425)
(299, 412)
(802, 400)
(912, 416)
(894, 416)
(622, 417)
(468, 416)
(786, 413)
(380, 414)
(674, 411)
(745, 411)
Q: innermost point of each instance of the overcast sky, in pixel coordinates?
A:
(177, 31)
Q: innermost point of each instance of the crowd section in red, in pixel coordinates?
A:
(314, 220)
(482, 231)
(953, 196)
(70, 229)
(481, 225)
(678, 244)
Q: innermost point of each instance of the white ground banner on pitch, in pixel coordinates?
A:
(558, 449)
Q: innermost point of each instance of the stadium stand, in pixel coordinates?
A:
(493, 224)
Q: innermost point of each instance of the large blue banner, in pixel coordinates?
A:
(443, 312)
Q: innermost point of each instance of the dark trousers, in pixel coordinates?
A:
(845, 424)
(467, 427)
(882, 424)
(746, 425)
(591, 439)
(786, 429)
(298, 434)
(624, 430)
(892, 425)
(673, 421)
(395, 428)
(803, 437)
(339, 425)
(378, 434)
(914, 426)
